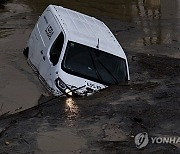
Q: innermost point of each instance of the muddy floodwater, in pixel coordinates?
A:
(107, 122)
(157, 21)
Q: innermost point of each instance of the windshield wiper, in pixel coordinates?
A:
(111, 74)
(97, 73)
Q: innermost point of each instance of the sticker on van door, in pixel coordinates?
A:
(49, 31)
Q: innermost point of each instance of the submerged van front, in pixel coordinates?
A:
(75, 54)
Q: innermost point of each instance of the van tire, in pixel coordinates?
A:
(26, 52)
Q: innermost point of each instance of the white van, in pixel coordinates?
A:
(75, 54)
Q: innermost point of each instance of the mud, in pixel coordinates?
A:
(107, 121)
(16, 81)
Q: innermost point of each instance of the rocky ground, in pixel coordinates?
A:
(106, 122)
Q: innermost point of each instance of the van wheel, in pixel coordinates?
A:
(26, 52)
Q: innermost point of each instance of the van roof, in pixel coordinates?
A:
(87, 30)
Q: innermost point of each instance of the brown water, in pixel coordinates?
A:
(151, 26)
(156, 29)
(60, 140)
(158, 20)
(19, 88)
(157, 23)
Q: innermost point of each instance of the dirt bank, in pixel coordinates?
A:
(106, 122)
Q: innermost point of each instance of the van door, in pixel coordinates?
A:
(53, 46)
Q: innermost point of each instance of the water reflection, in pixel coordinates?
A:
(156, 20)
(71, 109)
(147, 11)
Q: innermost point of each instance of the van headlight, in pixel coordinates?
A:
(60, 84)
(63, 87)
(69, 92)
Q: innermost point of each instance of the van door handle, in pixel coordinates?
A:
(41, 51)
(44, 58)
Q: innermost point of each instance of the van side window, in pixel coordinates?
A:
(56, 49)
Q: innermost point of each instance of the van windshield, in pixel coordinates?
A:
(93, 64)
